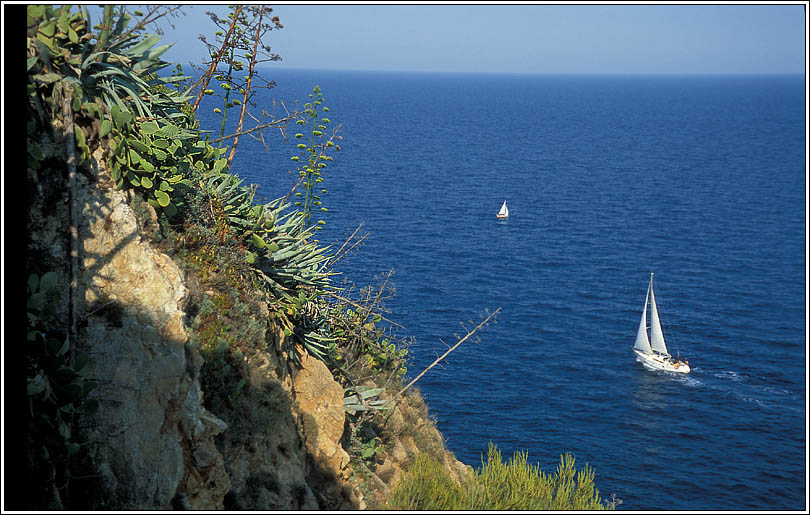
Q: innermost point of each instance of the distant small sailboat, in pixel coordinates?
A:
(655, 355)
(504, 212)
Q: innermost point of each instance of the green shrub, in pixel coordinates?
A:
(427, 486)
(497, 485)
(57, 393)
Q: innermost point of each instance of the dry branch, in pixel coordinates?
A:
(358, 306)
(330, 263)
(280, 121)
(152, 16)
(213, 67)
(451, 349)
(247, 87)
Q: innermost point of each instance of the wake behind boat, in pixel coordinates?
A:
(652, 352)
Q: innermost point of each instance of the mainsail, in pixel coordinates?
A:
(642, 342)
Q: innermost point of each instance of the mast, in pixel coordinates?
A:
(657, 335)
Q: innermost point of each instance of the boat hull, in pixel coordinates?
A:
(661, 362)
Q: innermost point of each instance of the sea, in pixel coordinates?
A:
(701, 180)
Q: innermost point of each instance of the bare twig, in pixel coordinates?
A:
(378, 297)
(215, 62)
(451, 349)
(280, 121)
(146, 20)
(106, 304)
(292, 190)
(358, 306)
(340, 253)
(247, 87)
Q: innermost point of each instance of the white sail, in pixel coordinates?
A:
(642, 343)
(657, 335)
(504, 212)
(655, 355)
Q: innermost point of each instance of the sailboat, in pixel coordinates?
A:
(652, 352)
(504, 212)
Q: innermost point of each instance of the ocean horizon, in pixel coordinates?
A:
(270, 69)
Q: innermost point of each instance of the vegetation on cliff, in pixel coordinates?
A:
(260, 285)
(516, 485)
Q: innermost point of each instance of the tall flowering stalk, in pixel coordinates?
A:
(315, 153)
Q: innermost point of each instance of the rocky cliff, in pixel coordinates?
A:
(159, 439)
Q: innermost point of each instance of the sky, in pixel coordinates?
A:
(655, 38)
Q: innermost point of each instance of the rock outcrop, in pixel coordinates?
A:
(265, 454)
(322, 418)
(151, 444)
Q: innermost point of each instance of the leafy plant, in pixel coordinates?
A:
(111, 76)
(364, 400)
(370, 449)
(297, 262)
(238, 44)
(311, 330)
(57, 392)
(366, 345)
(427, 486)
(275, 248)
(117, 66)
(155, 157)
(365, 441)
(497, 485)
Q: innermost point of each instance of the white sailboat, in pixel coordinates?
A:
(504, 212)
(653, 352)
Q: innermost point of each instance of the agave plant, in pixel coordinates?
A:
(127, 69)
(118, 67)
(288, 259)
(276, 239)
(287, 263)
(364, 400)
(130, 72)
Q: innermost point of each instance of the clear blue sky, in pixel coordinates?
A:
(656, 38)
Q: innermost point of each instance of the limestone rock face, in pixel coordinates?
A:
(150, 446)
(322, 417)
(264, 453)
(320, 407)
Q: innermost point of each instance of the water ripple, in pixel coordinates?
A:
(698, 179)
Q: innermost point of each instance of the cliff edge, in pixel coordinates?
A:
(164, 435)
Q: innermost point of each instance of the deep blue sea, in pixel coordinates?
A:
(700, 179)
